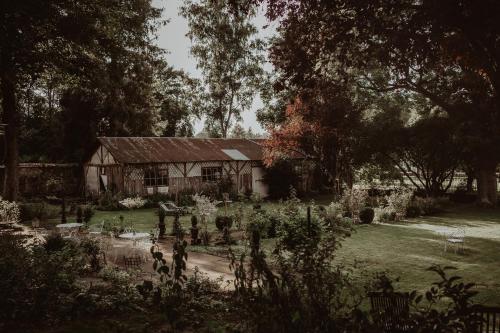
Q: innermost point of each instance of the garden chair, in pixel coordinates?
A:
(116, 245)
(487, 319)
(37, 230)
(133, 263)
(390, 311)
(455, 239)
(171, 208)
(97, 231)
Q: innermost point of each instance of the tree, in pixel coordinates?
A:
(78, 38)
(229, 56)
(445, 51)
(321, 123)
(178, 101)
(238, 131)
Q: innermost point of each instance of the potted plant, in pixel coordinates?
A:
(161, 222)
(194, 231)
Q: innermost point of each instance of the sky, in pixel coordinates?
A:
(172, 38)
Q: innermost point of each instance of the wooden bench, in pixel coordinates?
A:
(390, 311)
(488, 319)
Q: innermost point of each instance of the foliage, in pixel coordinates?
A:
(79, 214)
(417, 51)
(88, 212)
(177, 100)
(413, 151)
(229, 57)
(93, 252)
(169, 295)
(177, 229)
(133, 203)
(384, 214)
(426, 206)
(41, 211)
(9, 211)
(304, 292)
(109, 201)
(280, 176)
(51, 59)
(353, 200)
(223, 221)
(446, 307)
(319, 123)
(266, 223)
(205, 207)
(366, 215)
(398, 201)
(36, 283)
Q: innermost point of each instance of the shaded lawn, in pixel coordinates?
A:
(406, 250)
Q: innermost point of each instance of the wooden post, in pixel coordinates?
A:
(309, 221)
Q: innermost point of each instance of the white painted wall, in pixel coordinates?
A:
(91, 179)
(259, 186)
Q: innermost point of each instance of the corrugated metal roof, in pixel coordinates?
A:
(235, 154)
(162, 150)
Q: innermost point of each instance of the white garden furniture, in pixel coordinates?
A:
(455, 239)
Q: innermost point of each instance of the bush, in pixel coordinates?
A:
(426, 206)
(223, 221)
(36, 283)
(398, 201)
(109, 201)
(88, 212)
(462, 196)
(280, 177)
(353, 200)
(385, 214)
(41, 211)
(366, 215)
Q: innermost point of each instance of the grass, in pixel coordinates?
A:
(405, 249)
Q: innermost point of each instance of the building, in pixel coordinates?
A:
(150, 165)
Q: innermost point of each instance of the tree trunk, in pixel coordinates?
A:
(487, 184)
(470, 181)
(11, 118)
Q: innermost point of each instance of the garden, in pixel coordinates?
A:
(241, 249)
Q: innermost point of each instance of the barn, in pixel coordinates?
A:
(151, 165)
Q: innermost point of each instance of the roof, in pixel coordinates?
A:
(140, 150)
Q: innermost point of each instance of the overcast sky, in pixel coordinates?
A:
(172, 37)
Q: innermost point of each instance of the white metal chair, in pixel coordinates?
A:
(455, 239)
(97, 231)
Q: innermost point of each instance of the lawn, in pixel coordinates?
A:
(405, 249)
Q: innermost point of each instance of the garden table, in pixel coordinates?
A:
(135, 236)
(70, 228)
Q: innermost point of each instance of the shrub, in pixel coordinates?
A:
(366, 215)
(36, 283)
(9, 211)
(426, 206)
(280, 177)
(109, 201)
(41, 211)
(398, 201)
(223, 221)
(353, 200)
(385, 214)
(55, 243)
(133, 203)
(303, 292)
(88, 212)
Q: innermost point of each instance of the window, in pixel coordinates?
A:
(211, 174)
(156, 177)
